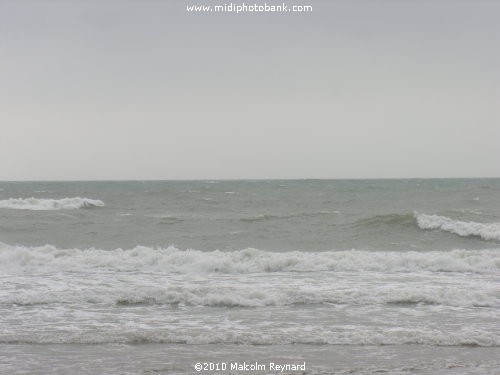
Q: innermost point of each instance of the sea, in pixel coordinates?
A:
(250, 277)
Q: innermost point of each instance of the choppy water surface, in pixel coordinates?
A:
(355, 277)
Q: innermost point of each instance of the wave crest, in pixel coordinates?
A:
(406, 219)
(266, 217)
(22, 259)
(220, 294)
(487, 231)
(291, 335)
(50, 204)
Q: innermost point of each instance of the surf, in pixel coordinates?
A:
(486, 231)
(39, 204)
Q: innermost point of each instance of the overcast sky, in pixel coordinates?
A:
(147, 90)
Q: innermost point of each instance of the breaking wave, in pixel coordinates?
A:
(272, 336)
(50, 204)
(487, 231)
(22, 259)
(239, 294)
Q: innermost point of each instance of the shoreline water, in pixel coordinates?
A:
(153, 277)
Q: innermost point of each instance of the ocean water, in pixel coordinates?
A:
(338, 276)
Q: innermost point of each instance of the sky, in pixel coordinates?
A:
(135, 90)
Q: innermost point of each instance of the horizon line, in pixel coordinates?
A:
(259, 179)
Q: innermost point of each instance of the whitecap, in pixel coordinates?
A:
(487, 231)
(38, 204)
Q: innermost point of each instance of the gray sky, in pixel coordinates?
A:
(147, 90)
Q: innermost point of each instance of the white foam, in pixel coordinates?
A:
(154, 290)
(272, 336)
(50, 204)
(21, 259)
(487, 231)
